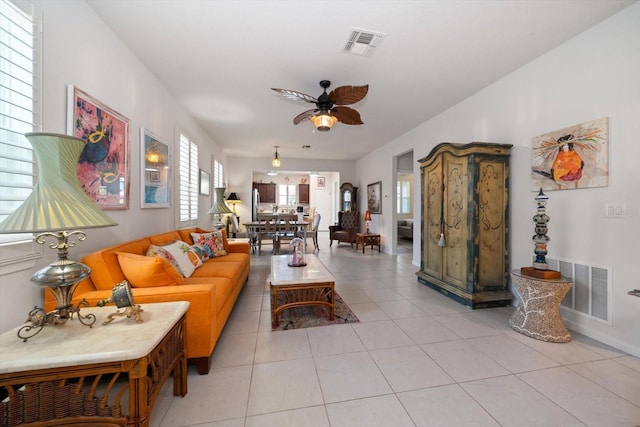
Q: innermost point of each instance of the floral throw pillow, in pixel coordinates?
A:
(210, 244)
(179, 254)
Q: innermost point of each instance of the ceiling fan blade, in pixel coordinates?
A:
(345, 95)
(295, 96)
(347, 115)
(303, 116)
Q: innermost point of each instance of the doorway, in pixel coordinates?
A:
(404, 184)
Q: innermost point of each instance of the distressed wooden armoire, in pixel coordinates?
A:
(465, 222)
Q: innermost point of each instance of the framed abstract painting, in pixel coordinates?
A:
(573, 157)
(103, 167)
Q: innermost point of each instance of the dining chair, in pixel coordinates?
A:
(313, 232)
(266, 229)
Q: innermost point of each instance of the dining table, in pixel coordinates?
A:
(256, 229)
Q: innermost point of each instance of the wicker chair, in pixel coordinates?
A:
(345, 231)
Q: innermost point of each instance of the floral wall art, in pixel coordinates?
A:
(103, 168)
(573, 157)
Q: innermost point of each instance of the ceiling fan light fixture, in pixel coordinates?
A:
(276, 160)
(323, 121)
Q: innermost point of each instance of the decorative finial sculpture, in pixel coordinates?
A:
(540, 238)
(540, 268)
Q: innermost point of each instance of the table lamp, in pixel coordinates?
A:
(233, 200)
(219, 207)
(57, 207)
(367, 219)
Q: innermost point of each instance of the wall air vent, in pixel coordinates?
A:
(591, 294)
(362, 42)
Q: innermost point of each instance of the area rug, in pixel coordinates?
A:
(314, 315)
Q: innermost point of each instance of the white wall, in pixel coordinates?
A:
(79, 49)
(594, 75)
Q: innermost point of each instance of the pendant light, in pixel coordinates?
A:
(276, 160)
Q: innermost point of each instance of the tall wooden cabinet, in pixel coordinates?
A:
(465, 208)
(348, 197)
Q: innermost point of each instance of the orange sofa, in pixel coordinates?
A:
(211, 290)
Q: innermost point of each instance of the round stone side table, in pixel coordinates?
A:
(538, 315)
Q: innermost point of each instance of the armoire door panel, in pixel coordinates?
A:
(455, 214)
(432, 219)
(492, 203)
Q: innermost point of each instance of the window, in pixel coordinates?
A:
(403, 197)
(218, 174)
(189, 180)
(287, 194)
(19, 95)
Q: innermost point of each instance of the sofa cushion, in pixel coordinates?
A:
(185, 235)
(143, 271)
(105, 269)
(179, 254)
(163, 238)
(230, 270)
(210, 244)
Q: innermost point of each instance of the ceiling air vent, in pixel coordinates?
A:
(362, 42)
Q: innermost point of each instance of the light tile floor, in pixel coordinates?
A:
(415, 359)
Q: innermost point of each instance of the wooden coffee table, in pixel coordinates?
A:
(111, 374)
(365, 240)
(291, 287)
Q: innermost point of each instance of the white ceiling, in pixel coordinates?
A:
(220, 58)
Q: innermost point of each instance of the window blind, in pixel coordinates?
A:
(17, 108)
(188, 180)
(218, 174)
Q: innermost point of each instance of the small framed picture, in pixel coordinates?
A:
(321, 181)
(374, 192)
(205, 186)
(155, 171)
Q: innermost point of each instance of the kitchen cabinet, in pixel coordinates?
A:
(267, 192)
(303, 193)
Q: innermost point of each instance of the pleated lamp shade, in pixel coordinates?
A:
(219, 206)
(57, 201)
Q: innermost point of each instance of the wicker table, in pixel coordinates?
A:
(71, 374)
(538, 314)
(365, 240)
(291, 287)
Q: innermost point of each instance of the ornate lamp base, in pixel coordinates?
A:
(133, 311)
(38, 319)
(122, 297)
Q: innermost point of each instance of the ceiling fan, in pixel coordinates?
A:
(330, 107)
